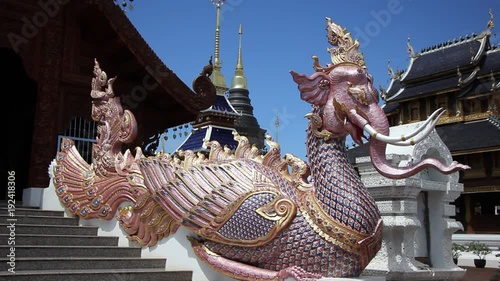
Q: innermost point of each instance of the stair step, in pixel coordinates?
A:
(5, 203)
(52, 247)
(23, 264)
(59, 240)
(49, 229)
(40, 220)
(32, 212)
(98, 275)
(72, 251)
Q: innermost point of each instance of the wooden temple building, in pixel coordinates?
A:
(463, 76)
(48, 50)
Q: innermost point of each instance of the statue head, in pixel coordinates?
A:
(347, 103)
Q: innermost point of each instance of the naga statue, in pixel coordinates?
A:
(252, 216)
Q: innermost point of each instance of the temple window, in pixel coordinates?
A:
(496, 164)
(472, 106)
(422, 109)
(484, 104)
(442, 102)
(453, 106)
(475, 161)
(432, 105)
(414, 114)
(494, 105)
(414, 111)
(405, 113)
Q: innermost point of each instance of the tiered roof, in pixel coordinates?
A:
(222, 105)
(195, 141)
(214, 123)
(469, 64)
(470, 136)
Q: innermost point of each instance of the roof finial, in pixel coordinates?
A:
(410, 48)
(396, 75)
(217, 78)
(389, 68)
(239, 80)
(490, 23)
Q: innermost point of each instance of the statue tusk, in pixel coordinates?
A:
(407, 140)
(434, 117)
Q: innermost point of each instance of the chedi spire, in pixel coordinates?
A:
(239, 80)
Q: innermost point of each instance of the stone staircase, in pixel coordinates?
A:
(49, 246)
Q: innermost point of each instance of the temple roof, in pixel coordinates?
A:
(463, 137)
(491, 61)
(168, 81)
(158, 98)
(393, 88)
(476, 89)
(207, 127)
(390, 108)
(469, 65)
(222, 104)
(428, 87)
(195, 140)
(443, 58)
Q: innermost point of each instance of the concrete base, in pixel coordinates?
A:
(363, 278)
(421, 275)
(32, 197)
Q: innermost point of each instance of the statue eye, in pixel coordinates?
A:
(324, 84)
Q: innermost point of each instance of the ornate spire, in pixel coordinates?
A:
(239, 80)
(246, 124)
(217, 77)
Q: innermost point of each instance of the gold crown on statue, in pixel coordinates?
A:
(345, 49)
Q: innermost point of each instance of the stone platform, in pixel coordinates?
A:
(363, 278)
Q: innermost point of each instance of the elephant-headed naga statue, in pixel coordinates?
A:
(266, 218)
(345, 102)
(260, 217)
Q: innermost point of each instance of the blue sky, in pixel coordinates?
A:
(279, 36)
